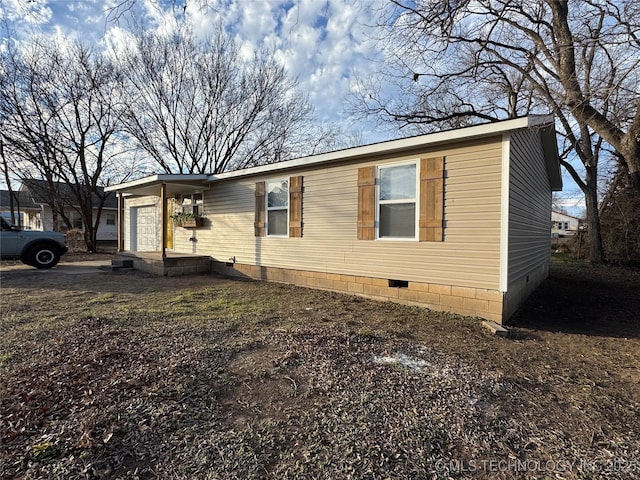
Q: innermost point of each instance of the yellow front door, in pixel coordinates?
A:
(168, 234)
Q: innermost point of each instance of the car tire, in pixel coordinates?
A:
(43, 256)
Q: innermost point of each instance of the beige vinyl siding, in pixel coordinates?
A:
(469, 255)
(529, 206)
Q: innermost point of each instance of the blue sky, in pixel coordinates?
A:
(325, 44)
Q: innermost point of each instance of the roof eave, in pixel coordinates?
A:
(396, 146)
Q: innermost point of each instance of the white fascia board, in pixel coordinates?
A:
(394, 146)
(157, 179)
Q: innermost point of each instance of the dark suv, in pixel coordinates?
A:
(33, 247)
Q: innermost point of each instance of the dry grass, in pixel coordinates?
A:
(134, 376)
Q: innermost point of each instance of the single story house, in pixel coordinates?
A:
(26, 212)
(32, 206)
(456, 220)
(563, 225)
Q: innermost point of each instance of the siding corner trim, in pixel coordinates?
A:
(504, 212)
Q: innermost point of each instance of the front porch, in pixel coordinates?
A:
(147, 226)
(172, 265)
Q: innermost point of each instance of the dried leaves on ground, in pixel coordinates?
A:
(134, 376)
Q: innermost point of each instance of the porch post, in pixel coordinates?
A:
(163, 230)
(120, 222)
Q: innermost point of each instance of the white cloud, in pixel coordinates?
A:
(323, 43)
(34, 12)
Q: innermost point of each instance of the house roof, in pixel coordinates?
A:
(24, 200)
(544, 122)
(40, 193)
(149, 185)
(565, 214)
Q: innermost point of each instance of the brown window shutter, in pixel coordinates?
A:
(367, 203)
(295, 206)
(432, 199)
(258, 225)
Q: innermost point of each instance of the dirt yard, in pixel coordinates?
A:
(106, 375)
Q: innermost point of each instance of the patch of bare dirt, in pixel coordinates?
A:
(135, 376)
(589, 299)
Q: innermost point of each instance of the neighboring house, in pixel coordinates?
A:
(27, 214)
(456, 220)
(563, 225)
(36, 212)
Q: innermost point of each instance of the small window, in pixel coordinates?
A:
(278, 207)
(193, 204)
(111, 218)
(397, 201)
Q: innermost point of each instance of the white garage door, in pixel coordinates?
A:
(144, 229)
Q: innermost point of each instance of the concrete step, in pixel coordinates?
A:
(121, 265)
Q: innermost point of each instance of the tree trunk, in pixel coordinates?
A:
(89, 227)
(635, 180)
(596, 254)
(630, 153)
(90, 239)
(54, 221)
(7, 180)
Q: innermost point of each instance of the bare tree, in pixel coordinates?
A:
(60, 124)
(199, 106)
(460, 62)
(6, 176)
(619, 211)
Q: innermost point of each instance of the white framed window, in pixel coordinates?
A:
(111, 218)
(277, 205)
(193, 204)
(397, 207)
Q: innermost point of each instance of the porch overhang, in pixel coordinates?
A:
(161, 185)
(151, 185)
